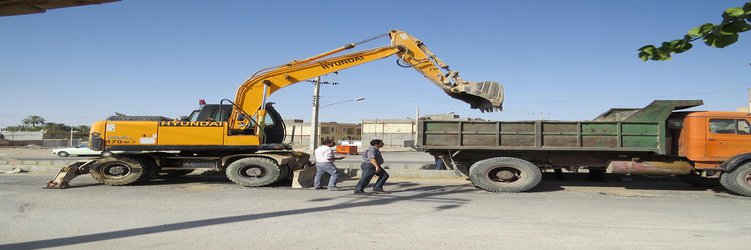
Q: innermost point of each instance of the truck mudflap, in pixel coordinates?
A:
(63, 177)
(649, 167)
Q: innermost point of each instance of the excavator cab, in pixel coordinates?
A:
(274, 128)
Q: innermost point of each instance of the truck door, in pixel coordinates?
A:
(728, 137)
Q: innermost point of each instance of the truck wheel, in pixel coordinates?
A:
(63, 154)
(694, 178)
(505, 174)
(253, 171)
(739, 180)
(119, 171)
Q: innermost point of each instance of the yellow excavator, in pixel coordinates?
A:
(244, 137)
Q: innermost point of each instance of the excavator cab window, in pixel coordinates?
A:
(211, 112)
(193, 116)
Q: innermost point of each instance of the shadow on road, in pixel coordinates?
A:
(350, 201)
(550, 183)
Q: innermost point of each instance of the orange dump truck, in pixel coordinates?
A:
(702, 147)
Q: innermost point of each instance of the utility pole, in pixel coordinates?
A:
(540, 114)
(314, 118)
(417, 123)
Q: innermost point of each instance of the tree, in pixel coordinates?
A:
(734, 20)
(51, 126)
(33, 120)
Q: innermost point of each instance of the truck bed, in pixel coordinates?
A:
(543, 135)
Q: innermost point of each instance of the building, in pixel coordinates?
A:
(298, 132)
(399, 134)
(44, 138)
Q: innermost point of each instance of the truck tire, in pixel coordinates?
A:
(119, 171)
(253, 171)
(695, 178)
(63, 154)
(739, 180)
(505, 175)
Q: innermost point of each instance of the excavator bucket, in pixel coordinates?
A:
(62, 179)
(485, 96)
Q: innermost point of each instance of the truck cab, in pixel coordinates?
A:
(711, 138)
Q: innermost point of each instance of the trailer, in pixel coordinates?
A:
(703, 148)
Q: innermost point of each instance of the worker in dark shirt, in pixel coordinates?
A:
(371, 165)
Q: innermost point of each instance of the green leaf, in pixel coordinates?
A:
(720, 41)
(685, 47)
(649, 49)
(701, 31)
(644, 56)
(733, 12)
(735, 27)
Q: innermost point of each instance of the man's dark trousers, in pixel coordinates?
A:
(368, 170)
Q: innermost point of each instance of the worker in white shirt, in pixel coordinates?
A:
(325, 164)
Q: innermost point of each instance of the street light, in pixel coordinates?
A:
(316, 107)
(314, 120)
(353, 100)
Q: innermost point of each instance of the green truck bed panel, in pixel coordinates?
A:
(544, 135)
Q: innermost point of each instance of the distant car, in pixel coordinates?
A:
(80, 150)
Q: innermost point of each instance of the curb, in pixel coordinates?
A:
(396, 169)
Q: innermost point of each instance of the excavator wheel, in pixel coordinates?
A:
(253, 171)
(284, 172)
(151, 170)
(118, 171)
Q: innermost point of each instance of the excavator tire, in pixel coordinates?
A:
(253, 171)
(150, 168)
(119, 171)
(284, 172)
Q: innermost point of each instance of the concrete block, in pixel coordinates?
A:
(430, 173)
(404, 173)
(29, 163)
(450, 174)
(304, 178)
(395, 166)
(44, 163)
(3, 162)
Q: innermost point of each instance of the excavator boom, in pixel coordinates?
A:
(251, 96)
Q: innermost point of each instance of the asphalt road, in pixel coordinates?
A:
(206, 212)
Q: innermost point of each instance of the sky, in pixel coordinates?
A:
(562, 60)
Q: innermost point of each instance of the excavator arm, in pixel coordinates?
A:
(252, 94)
